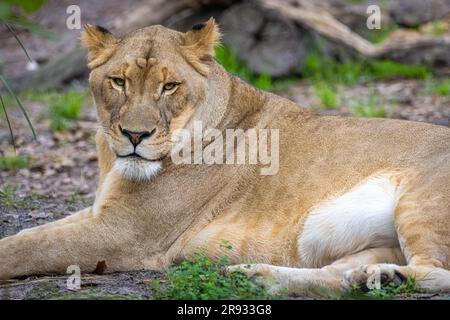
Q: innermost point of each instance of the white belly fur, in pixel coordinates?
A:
(361, 218)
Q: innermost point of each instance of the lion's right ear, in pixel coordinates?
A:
(199, 45)
(100, 44)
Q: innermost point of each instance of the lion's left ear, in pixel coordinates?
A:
(199, 44)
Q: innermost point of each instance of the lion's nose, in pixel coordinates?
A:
(136, 137)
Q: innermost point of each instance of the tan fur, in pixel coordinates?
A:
(199, 46)
(151, 223)
(100, 44)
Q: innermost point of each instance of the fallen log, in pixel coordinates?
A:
(406, 47)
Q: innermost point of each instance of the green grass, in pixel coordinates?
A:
(386, 69)
(353, 71)
(328, 94)
(320, 68)
(18, 102)
(44, 97)
(9, 199)
(438, 87)
(76, 197)
(263, 81)
(370, 106)
(438, 28)
(8, 100)
(229, 60)
(65, 109)
(201, 278)
(388, 291)
(7, 196)
(329, 77)
(14, 162)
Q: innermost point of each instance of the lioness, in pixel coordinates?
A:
(351, 196)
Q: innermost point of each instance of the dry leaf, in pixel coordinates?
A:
(101, 267)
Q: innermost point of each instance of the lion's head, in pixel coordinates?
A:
(146, 85)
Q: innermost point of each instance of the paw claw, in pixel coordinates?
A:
(363, 277)
(399, 278)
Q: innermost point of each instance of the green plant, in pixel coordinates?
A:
(386, 69)
(65, 108)
(8, 122)
(439, 87)
(76, 197)
(391, 290)
(19, 103)
(9, 101)
(263, 81)
(351, 71)
(386, 291)
(438, 28)
(44, 97)
(370, 106)
(13, 162)
(201, 278)
(321, 68)
(13, 14)
(229, 60)
(9, 199)
(7, 196)
(327, 94)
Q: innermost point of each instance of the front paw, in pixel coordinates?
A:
(261, 274)
(251, 270)
(372, 276)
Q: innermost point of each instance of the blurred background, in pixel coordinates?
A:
(387, 59)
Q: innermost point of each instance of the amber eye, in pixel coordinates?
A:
(119, 81)
(170, 86)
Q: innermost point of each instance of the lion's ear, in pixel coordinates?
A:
(100, 44)
(199, 44)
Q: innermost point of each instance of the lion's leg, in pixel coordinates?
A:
(83, 243)
(105, 159)
(75, 217)
(429, 278)
(297, 281)
(422, 218)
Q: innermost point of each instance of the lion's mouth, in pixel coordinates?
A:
(135, 156)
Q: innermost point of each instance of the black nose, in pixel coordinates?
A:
(136, 137)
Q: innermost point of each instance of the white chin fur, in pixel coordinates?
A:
(138, 170)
